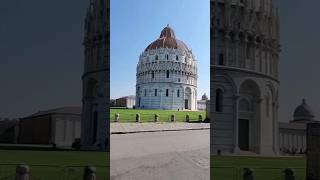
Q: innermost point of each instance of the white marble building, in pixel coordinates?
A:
(167, 75)
(95, 114)
(202, 103)
(292, 135)
(244, 84)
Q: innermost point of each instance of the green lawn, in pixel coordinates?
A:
(265, 168)
(53, 165)
(129, 115)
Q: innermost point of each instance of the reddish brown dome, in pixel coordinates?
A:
(167, 39)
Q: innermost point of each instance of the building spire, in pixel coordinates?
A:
(303, 101)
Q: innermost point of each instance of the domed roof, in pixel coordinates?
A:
(303, 112)
(167, 39)
(204, 97)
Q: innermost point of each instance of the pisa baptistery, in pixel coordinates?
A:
(245, 51)
(166, 75)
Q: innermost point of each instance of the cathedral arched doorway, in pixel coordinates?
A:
(187, 98)
(249, 116)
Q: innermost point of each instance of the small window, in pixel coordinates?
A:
(177, 57)
(167, 56)
(178, 79)
(145, 92)
(221, 59)
(168, 74)
(157, 57)
(152, 74)
(167, 92)
(178, 93)
(219, 99)
(155, 92)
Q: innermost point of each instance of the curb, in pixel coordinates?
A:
(162, 130)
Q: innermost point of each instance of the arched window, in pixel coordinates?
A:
(178, 93)
(168, 74)
(155, 92)
(156, 57)
(177, 57)
(167, 56)
(145, 92)
(221, 59)
(219, 99)
(167, 92)
(152, 74)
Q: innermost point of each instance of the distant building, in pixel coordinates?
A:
(59, 126)
(112, 103)
(9, 129)
(126, 101)
(202, 104)
(292, 136)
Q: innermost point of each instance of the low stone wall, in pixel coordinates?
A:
(122, 128)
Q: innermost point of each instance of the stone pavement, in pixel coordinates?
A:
(165, 155)
(123, 128)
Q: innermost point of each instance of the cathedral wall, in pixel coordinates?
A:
(223, 122)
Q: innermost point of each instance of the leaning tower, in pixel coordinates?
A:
(244, 76)
(95, 100)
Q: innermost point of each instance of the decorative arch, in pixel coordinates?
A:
(249, 122)
(187, 98)
(229, 81)
(245, 105)
(250, 87)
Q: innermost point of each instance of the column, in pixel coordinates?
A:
(237, 43)
(226, 46)
(236, 124)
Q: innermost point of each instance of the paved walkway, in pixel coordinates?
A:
(123, 128)
(167, 155)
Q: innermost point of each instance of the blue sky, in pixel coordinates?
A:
(135, 24)
(41, 52)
